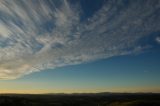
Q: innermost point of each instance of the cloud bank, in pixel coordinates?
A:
(44, 34)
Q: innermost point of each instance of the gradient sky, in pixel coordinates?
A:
(66, 46)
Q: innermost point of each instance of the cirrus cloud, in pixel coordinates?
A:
(42, 34)
(158, 39)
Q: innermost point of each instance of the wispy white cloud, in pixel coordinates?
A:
(49, 34)
(158, 39)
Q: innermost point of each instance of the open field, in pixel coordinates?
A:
(99, 99)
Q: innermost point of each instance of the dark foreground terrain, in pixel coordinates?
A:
(100, 99)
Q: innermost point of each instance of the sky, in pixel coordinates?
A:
(79, 46)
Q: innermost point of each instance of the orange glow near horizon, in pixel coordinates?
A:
(45, 91)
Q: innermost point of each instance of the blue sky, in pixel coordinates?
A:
(79, 46)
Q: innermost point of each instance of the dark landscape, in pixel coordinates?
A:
(96, 99)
